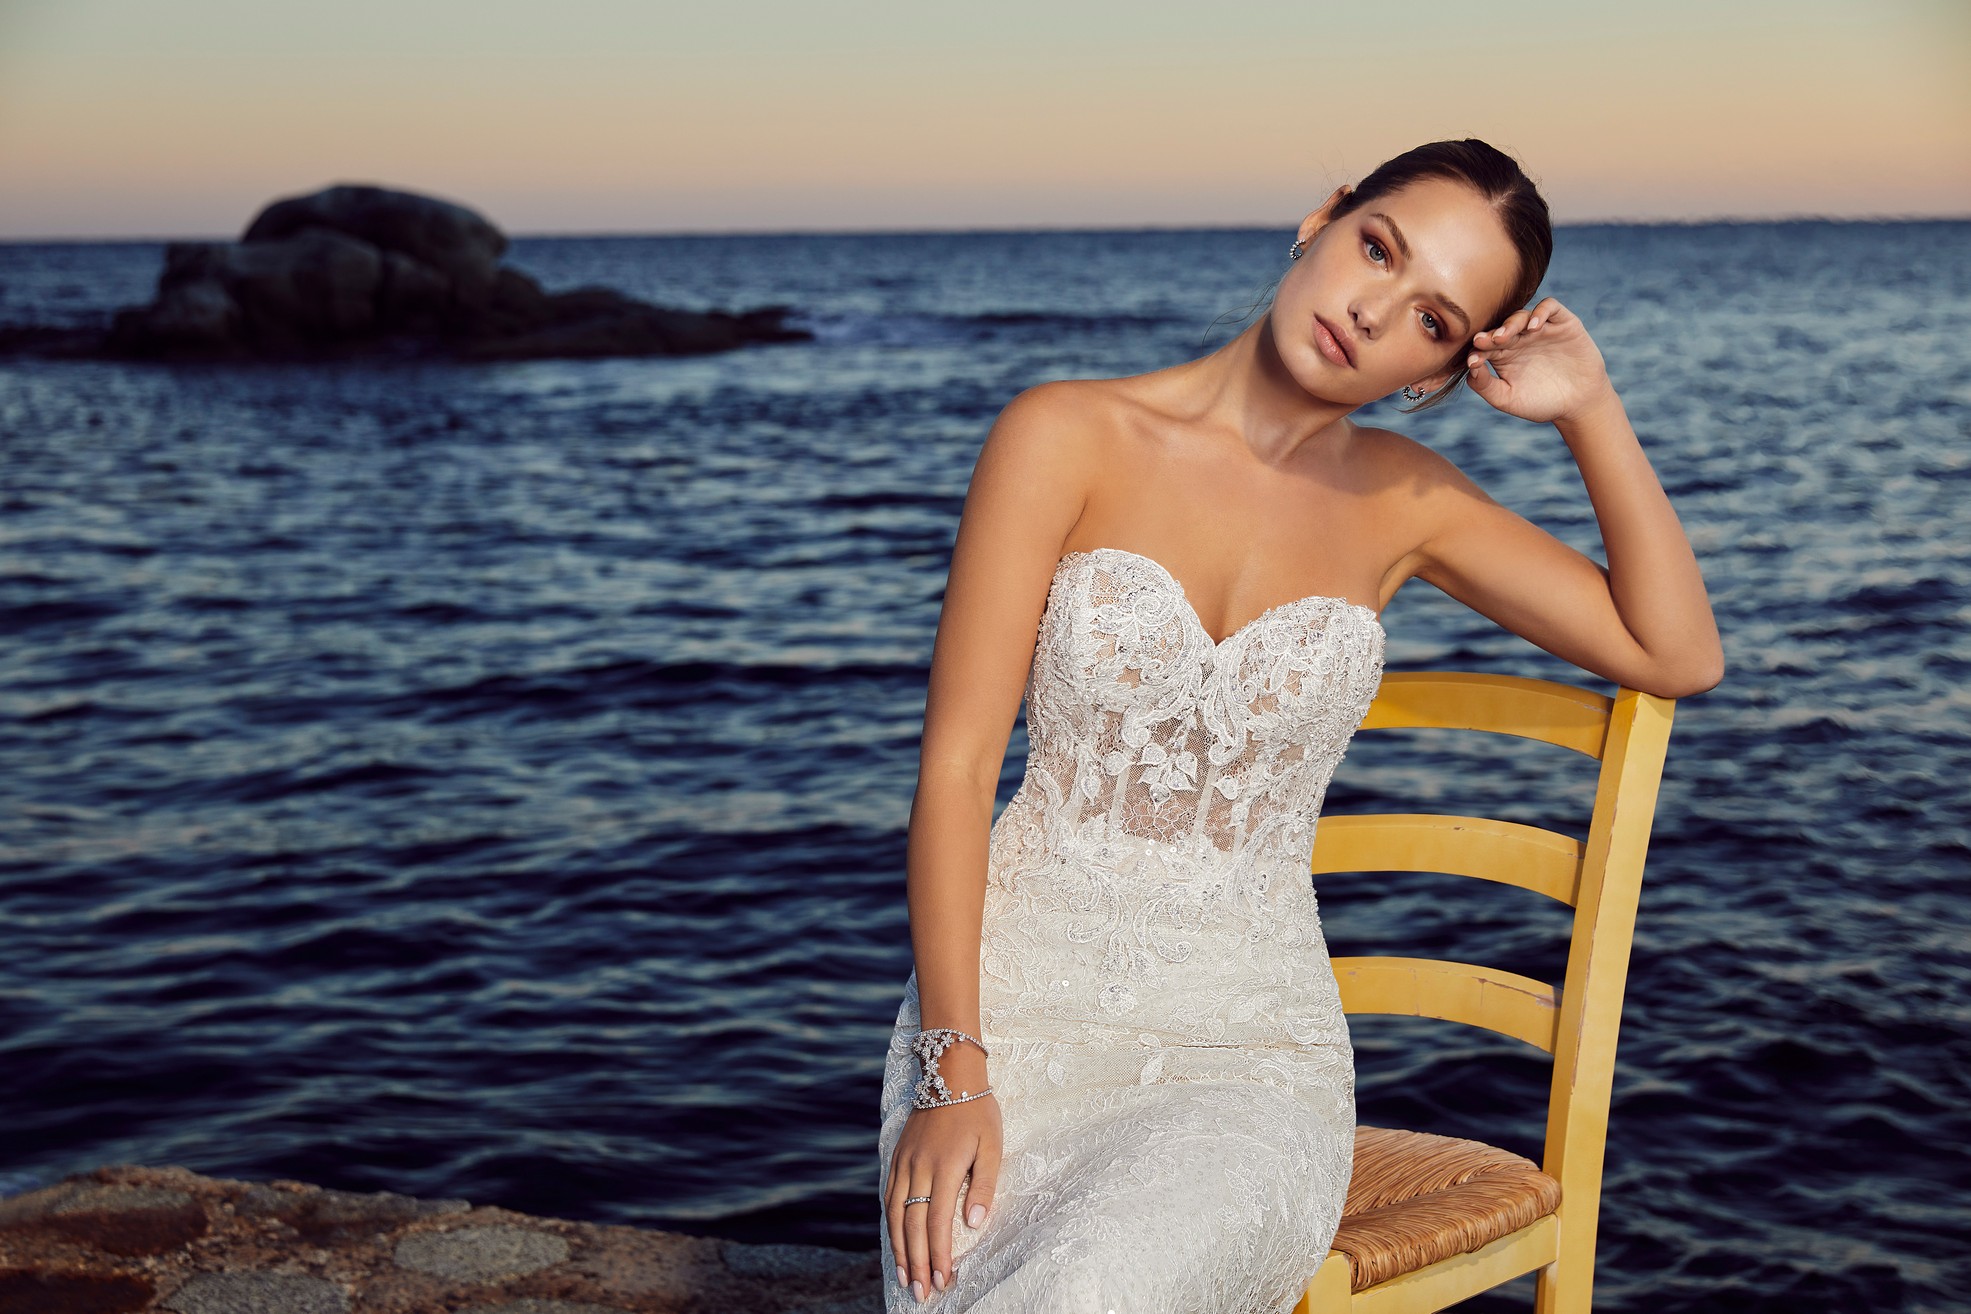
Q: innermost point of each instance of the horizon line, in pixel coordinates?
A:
(1697, 221)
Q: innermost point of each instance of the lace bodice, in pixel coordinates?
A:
(1164, 828)
(1169, 1051)
(1140, 725)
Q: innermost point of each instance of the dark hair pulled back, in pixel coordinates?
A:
(1498, 178)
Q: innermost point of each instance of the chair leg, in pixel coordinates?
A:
(1567, 1286)
(1330, 1289)
(1561, 1289)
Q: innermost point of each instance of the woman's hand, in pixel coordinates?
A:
(1548, 368)
(937, 1148)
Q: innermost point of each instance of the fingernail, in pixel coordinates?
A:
(903, 1278)
(976, 1216)
(917, 1290)
(937, 1278)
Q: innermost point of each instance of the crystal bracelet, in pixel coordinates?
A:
(927, 1045)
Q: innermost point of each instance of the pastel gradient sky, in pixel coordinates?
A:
(141, 118)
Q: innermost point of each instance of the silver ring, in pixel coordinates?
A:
(918, 1199)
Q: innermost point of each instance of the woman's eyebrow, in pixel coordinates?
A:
(1394, 232)
(1396, 235)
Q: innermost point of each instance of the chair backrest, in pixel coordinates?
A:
(1600, 878)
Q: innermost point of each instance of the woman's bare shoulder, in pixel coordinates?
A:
(1068, 422)
(1094, 401)
(1401, 464)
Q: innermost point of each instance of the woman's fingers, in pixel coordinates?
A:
(960, 1162)
(916, 1233)
(1502, 346)
(893, 1210)
(944, 1204)
(1521, 322)
(985, 1179)
(1508, 329)
(1549, 311)
(927, 1228)
(1487, 384)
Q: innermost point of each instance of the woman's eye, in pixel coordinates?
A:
(1376, 253)
(1431, 325)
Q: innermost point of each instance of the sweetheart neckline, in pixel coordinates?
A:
(1192, 611)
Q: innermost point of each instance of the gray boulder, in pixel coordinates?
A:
(355, 270)
(460, 244)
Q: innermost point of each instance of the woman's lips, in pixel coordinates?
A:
(1330, 343)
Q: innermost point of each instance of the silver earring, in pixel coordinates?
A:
(1293, 252)
(1412, 393)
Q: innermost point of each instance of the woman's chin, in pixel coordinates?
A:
(1326, 382)
(1322, 386)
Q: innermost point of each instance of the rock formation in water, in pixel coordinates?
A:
(357, 270)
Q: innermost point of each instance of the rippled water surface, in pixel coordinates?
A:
(492, 781)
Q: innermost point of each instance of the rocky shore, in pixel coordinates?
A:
(123, 1239)
(356, 271)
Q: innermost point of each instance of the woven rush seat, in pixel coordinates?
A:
(1416, 1198)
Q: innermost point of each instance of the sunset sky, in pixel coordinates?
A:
(135, 118)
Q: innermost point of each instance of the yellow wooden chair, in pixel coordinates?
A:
(1432, 1220)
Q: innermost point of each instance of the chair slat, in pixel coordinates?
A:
(1471, 993)
(1545, 710)
(1543, 861)
(1452, 1280)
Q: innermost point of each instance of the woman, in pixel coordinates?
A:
(1120, 1077)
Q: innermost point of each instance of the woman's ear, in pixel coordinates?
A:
(1316, 220)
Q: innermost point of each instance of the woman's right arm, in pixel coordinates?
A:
(1027, 491)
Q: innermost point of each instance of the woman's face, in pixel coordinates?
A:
(1391, 293)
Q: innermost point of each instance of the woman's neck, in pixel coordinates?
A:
(1245, 387)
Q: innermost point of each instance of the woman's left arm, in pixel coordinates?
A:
(1644, 620)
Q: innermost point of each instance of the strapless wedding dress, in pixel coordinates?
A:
(1169, 1054)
